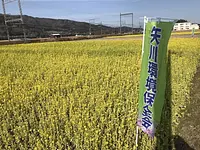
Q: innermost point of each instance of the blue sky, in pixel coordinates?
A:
(107, 11)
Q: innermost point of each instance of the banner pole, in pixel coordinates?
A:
(144, 28)
(145, 21)
(137, 135)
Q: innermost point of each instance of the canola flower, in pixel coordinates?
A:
(84, 95)
(197, 32)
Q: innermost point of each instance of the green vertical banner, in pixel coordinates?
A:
(193, 31)
(153, 75)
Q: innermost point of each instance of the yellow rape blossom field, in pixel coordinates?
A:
(197, 32)
(83, 95)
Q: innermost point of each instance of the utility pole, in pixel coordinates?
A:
(132, 24)
(22, 21)
(101, 28)
(13, 21)
(125, 14)
(4, 14)
(120, 30)
(90, 25)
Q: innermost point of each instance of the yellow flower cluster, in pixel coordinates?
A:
(83, 94)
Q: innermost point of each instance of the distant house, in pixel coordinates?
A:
(55, 35)
(185, 26)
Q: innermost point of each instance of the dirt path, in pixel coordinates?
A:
(189, 128)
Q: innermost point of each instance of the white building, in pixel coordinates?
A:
(55, 35)
(185, 26)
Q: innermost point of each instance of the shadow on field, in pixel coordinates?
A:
(165, 139)
(180, 144)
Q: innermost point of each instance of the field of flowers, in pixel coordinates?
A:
(84, 95)
(197, 32)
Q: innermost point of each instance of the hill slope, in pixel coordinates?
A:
(43, 27)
